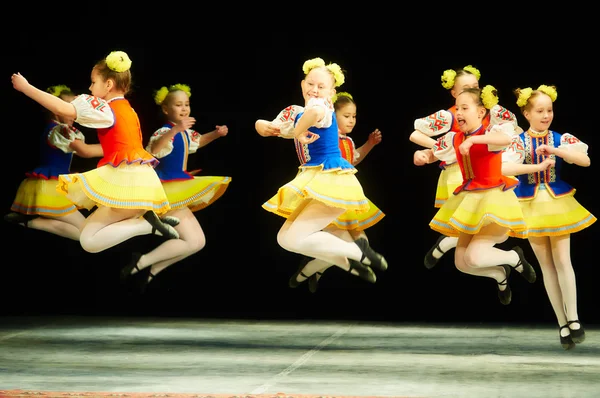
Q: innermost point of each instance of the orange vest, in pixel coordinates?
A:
(481, 169)
(347, 148)
(123, 141)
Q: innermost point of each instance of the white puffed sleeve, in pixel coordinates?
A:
(515, 153)
(285, 120)
(435, 124)
(167, 149)
(327, 107)
(507, 129)
(571, 143)
(499, 115)
(62, 135)
(443, 149)
(93, 112)
(194, 137)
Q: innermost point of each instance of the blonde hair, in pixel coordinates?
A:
(333, 68)
(525, 95)
(58, 90)
(161, 94)
(486, 97)
(449, 76)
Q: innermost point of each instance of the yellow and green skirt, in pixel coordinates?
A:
(38, 196)
(197, 193)
(127, 186)
(335, 187)
(549, 216)
(469, 211)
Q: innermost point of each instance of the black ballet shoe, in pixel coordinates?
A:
(313, 282)
(566, 341)
(293, 282)
(376, 259)
(170, 220)
(132, 265)
(19, 218)
(166, 230)
(430, 260)
(578, 335)
(364, 271)
(528, 272)
(505, 295)
(144, 277)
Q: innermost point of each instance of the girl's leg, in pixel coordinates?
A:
(191, 240)
(542, 247)
(305, 235)
(464, 249)
(68, 226)
(107, 227)
(561, 254)
(481, 252)
(441, 247)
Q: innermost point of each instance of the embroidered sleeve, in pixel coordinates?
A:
(499, 115)
(571, 143)
(443, 149)
(435, 124)
(515, 153)
(93, 112)
(285, 120)
(327, 106)
(505, 128)
(167, 149)
(194, 140)
(62, 135)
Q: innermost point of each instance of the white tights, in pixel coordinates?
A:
(304, 233)
(476, 254)
(191, 240)
(68, 226)
(554, 256)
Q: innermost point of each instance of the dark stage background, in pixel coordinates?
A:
(242, 272)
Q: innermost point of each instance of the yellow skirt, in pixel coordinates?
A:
(128, 186)
(353, 221)
(450, 179)
(469, 211)
(549, 216)
(335, 187)
(40, 197)
(197, 193)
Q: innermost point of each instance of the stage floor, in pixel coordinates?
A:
(243, 357)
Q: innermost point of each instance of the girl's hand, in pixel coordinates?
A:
(307, 137)
(19, 82)
(546, 164)
(375, 137)
(222, 130)
(420, 158)
(465, 147)
(545, 150)
(185, 123)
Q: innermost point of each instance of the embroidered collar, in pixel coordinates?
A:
(537, 134)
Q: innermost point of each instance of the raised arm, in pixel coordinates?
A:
(47, 100)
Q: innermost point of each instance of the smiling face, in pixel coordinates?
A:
(176, 106)
(469, 111)
(346, 117)
(539, 112)
(318, 83)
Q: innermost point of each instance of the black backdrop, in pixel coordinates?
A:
(242, 272)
